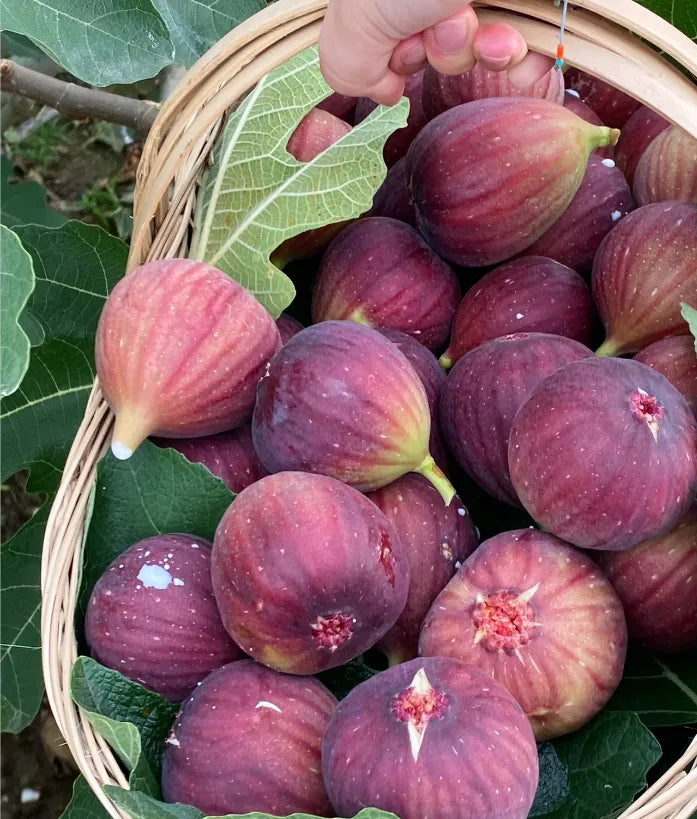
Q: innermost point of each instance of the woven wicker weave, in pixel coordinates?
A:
(604, 38)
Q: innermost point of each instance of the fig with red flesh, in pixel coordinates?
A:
(152, 616)
(538, 616)
(613, 106)
(340, 106)
(307, 572)
(393, 198)
(288, 327)
(604, 454)
(431, 739)
(676, 358)
(250, 739)
(637, 134)
(573, 102)
(341, 400)
(483, 393)
(668, 169)
(180, 349)
(381, 273)
(528, 295)
(602, 200)
(642, 271)
(488, 178)
(656, 583)
(437, 539)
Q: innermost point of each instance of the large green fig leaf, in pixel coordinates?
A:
(24, 202)
(256, 194)
(17, 282)
(690, 316)
(681, 15)
(84, 804)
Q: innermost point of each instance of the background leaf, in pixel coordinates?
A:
(84, 804)
(24, 202)
(681, 15)
(690, 316)
(553, 788)
(17, 282)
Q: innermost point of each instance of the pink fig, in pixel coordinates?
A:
(676, 358)
(637, 134)
(613, 106)
(573, 102)
(668, 169)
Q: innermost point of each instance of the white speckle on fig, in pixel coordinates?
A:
(265, 704)
(154, 577)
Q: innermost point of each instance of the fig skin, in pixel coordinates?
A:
(288, 327)
(488, 178)
(402, 725)
(603, 454)
(153, 618)
(307, 572)
(642, 271)
(676, 358)
(667, 171)
(613, 106)
(393, 198)
(532, 294)
(437, 539)
(381, 273)
(637, 134)
(538, 616)
(249, 739)
(603, 199)
(180, 347)
(341, 400)
(340, 106)
(574, 103)
(483, 394)
(655, 582)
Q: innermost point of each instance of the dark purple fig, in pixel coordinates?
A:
(642, 272)
(307, 572)
(676, 358)
(393, 198)
(152, 616)
(613, 106)
(668, 169)
(488, 178)
(431, 738)
(527, 295)
(604, 454)
(573, 102)
(250, 739)
(381, 273)
(288, 327)
(483, 393)
(602, 200)
(437, 539)
(538, 616)
(340, 106)
(229, 455)
(180, 349)
(656, 583)
(638, 133)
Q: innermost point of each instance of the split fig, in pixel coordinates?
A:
(393, 198)
(613, 106)
(668, 169)
(637, 134)
(676, 358)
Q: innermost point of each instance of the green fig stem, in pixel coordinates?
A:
(130, 430)
(601, 135)
(608, 348)
(359, 317)
(446, 361)
(433, 473)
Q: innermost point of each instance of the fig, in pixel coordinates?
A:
(307, 572)
(602, 200)
(538, 616)
(528, 295)
(436, 538)
(431, 738)
(488, 178)
(668, 169)
(637, 134)
(152, 616)
(287, 327)
(341, 400)
(613, 106)
(655, 582)
(574, 103)
(180, 348)
(603, 454)
(642, 271)
(250, 739)
(340, 106)
(228, 455)
(393, 198)
(676, 358)
(483, 393)
(381, 273)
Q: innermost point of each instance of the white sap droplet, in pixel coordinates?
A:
(154, 577)
(616, 214)
(519, 315)
(573, 93)
(178, 581)
(609, 163)
(29, 795)
(265, 704)
(121, 451)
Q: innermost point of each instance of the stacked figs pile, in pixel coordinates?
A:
(343, 440)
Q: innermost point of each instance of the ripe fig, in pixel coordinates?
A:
(287, 327)
(604, 454)
(341, 400)
(437, 539)
(249, 739)
(573, 102)
(637, 134)
(483, 393)
(538, 616)
(655, 582)
(180, 348)
(602, 200)
(528, 295)
(613, 106)
(668, 169)
(393, 198)
(152, 616)
(307, 572)
(340, 106)
(676, 358)
(456, 736)
(488, 178)
(642, 271)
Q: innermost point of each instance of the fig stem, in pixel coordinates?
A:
(130, 430)
(607, 349)
(445, 361)
(433, 473)
(359, 317)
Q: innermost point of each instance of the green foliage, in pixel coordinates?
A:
(23, 202)
(690, 316)
(84, 804)
(17, 282)
(43, 147)
(681, 15)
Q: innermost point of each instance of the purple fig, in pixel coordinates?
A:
(288, 327)
(456, 736)
(527, 295)
(483, 393)
(573, 102)
(604, 454)
(488, 178)
(393, 198)
(676, 358)
(152, 616)
(638, 133)
(250, 739)
(668, 169)
(180, 348)
(381, 273)
(613, 106)
(538, 616)
(340, 106)
(307, 572)
(642, 271)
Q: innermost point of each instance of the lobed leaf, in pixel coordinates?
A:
(690, 316)
(17, 283)
(24, 202)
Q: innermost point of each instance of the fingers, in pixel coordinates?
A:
(449, 43)
(409, 56)
(498, 46)
(532, 68)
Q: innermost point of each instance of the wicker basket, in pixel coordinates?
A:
(607, 38)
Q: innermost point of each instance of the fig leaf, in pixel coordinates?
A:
(690, 316)
(17, 277)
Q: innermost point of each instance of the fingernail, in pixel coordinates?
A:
(412, 57)
(450, 36)
(493, 62)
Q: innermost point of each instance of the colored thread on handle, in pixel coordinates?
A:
(560, 48)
